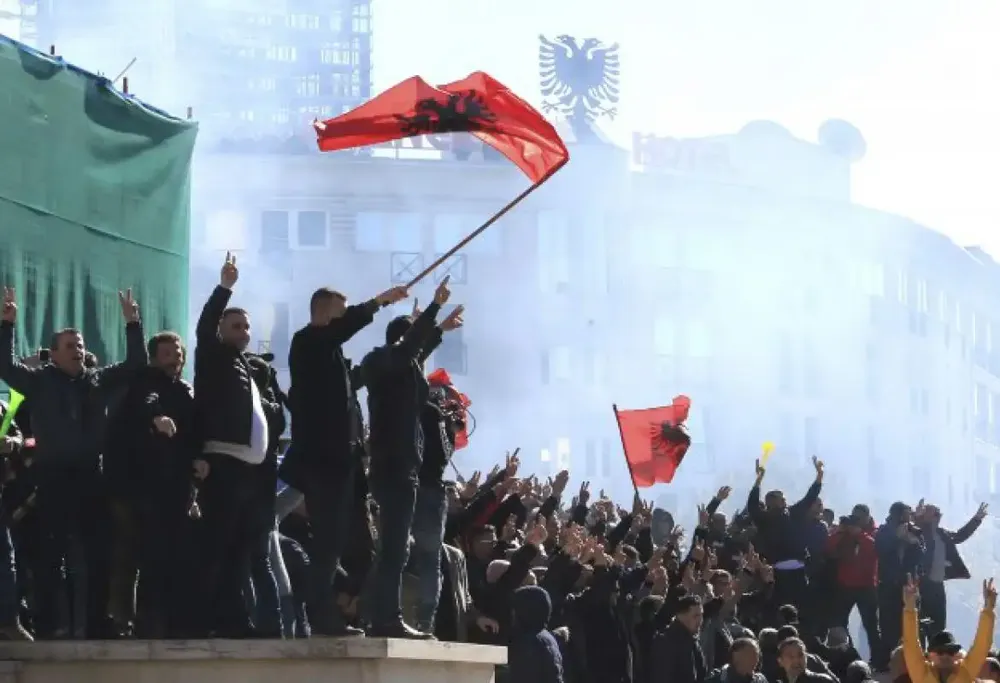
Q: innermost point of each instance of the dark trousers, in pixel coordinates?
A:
(890, 610)
(73, 536)
(329, 501)
(396, 497)
(229, 515)
(165, 553)
(428, 535)
(933, 605)
(791, 587)
(866, 600)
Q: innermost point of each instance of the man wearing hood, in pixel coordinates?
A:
(533, 653)
(397, 393)
(900, 547)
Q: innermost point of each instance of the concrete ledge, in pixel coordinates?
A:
(350, 660)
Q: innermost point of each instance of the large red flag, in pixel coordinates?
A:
(654, 441)
(478, 104)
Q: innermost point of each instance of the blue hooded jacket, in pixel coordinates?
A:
(533, 654)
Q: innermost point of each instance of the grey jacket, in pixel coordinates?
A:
(68, 414)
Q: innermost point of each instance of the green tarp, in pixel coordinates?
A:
(94, 197)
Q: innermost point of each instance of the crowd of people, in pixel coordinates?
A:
(137, 505)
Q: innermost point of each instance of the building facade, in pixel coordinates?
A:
(257, 71)
(733, 269)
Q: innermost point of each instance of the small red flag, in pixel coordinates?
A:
(654, 441)
(457, 402)
(478, 104)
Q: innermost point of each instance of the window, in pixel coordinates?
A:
(302, 21)
(226, 230)
(922, 305)
(281, 116)
(262, 84)
(307, 86)
(274, 240)
(336, 54)
(902, 287)
(553, 251)
(312, 230)
(664, 336)
(557, 365)
(273, 231)
(400, 232)
(973, 331)
(452, 228)
(282, 53)
(943, 307)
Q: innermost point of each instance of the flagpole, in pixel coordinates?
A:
(621, 435)
(478, 231)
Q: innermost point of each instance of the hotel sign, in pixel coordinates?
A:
(707, 157)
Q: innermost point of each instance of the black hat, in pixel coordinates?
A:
(944, 643)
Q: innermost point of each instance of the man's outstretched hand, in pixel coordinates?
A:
(442, 293)
(391, 296)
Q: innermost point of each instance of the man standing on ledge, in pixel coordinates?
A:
(232, 416)
(328, 440)
(68, 404)
(397, 392)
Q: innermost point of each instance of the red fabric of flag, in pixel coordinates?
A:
(478, 104)
(457, 402)
(655, 441)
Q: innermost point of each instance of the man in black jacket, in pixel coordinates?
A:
(397, 392)
(781, 536)
(942, 561)
(440, 423)
(327, 436)
(233, 421)
(677, 654)
(68, 413)
(154, 442)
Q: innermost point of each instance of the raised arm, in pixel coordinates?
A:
(970, 527)
(453, 322)
(814, 489)
(340, 330)
(119, 374)
(15, 373)
(207, 330)
(983, 641)
(913, 652)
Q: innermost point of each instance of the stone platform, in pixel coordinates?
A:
(348, 660)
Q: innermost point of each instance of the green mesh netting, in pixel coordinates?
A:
(94, 197)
